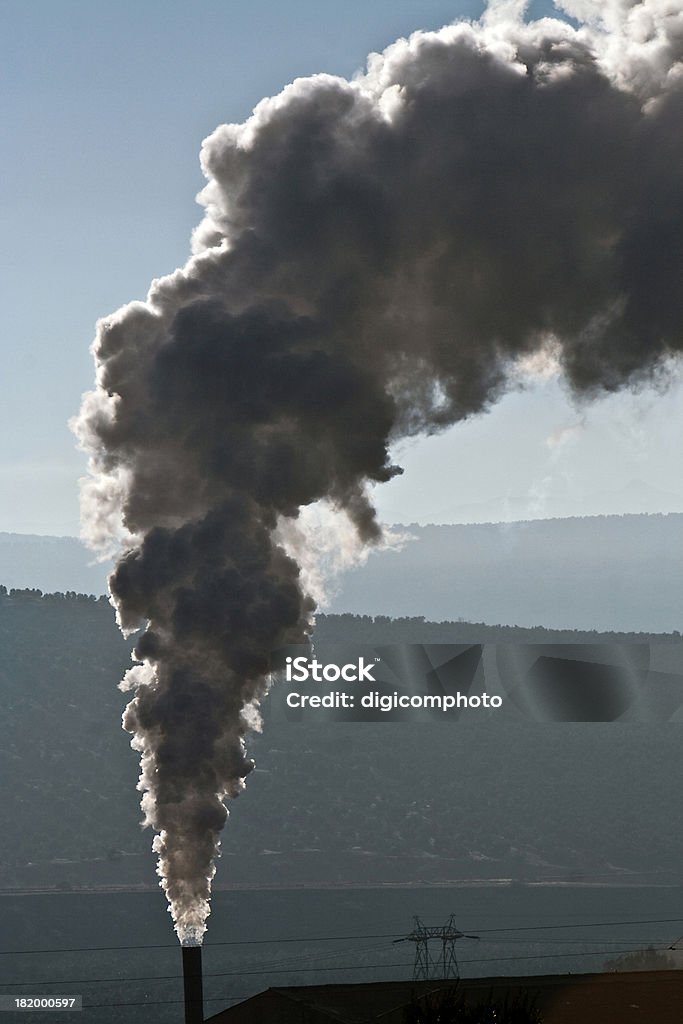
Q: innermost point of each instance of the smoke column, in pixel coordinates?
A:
(376, 260)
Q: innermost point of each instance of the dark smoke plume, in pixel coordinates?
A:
(377, 259)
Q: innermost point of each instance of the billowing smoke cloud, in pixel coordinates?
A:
(377, 259)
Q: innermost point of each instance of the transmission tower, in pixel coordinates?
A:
(445, 964)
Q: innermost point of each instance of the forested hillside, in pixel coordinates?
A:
(328, 802)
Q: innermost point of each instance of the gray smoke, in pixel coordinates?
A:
(377, 258)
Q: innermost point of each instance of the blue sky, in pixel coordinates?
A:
(104, 108)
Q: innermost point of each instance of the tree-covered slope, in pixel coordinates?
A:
(337, 801)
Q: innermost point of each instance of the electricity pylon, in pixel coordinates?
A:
(445, 964)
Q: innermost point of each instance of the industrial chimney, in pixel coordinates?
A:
(192, 984)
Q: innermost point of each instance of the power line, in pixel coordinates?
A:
(592, 924)
(221, 974)
(208, 945)
(333, 938)
(561, 956)
(280, 965)
(290, 963)
(327, 967)
(512, 940)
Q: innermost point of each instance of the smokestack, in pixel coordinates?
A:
(192, 984)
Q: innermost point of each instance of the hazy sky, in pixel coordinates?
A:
(104, 108)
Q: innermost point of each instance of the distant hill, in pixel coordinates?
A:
(51, 564)
(597, 572)
(328, 802)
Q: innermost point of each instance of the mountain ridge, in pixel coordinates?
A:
(618, 572)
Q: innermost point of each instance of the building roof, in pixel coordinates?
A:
(640, 997)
